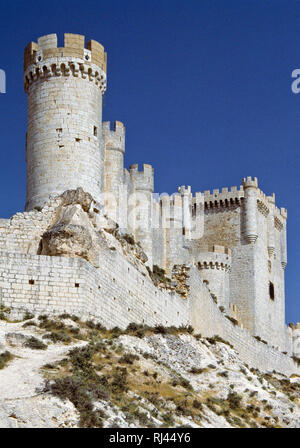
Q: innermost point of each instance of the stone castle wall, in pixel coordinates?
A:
(116, 294)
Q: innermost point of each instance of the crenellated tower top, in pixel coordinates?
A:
(114, 138)
(143, 180)
(44, 59)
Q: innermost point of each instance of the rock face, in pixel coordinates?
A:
(73, 233)
(70, 235)
(172, 378)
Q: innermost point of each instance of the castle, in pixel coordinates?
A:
(96, 241)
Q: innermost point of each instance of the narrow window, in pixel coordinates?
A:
(95, 131)
(271, 291)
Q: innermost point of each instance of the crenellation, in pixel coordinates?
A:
(225, 198)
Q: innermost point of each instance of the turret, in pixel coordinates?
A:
(64, 136)
(114, 141)
(214, 264)
(143, 182)
(250, 203)
(186, 196)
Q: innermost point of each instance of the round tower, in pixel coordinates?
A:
(250, 200)
(64, 144)
(214, 265)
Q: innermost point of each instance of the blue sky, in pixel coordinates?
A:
(203, 87)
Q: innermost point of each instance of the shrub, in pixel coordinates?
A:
(180, 381)
(160, 329)
(116, 332)
(64, 316)
(128, 238)
(141, 416)
(217, 338)
(128, 358)
(119, 382)
(35, 344)
(234, 400)
(196, 370)
(3, 312)
(80, 394)
(59, 336)
(168, 419)
(49, 366)
(197, 405)
(223, 374)
(186, 329)
(5, 357)
(49, 324)
(95, 326)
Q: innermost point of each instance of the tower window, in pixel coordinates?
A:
(271, 291)
(95, 131)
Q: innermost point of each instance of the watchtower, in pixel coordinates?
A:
(64, 132)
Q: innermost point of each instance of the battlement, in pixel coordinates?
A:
(143, 180)
(249, 182)
(74, 46)
(224, 198)
(44, 59)
(214, 257)
(114, 138)
(184, 190)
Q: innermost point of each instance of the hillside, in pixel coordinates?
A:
(66, 373)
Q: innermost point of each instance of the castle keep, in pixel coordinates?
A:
(96, 241)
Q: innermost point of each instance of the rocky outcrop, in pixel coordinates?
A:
(71, 235)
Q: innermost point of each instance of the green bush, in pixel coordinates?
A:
(128, 358)
(59, 336)
(234, 400)
(35, 344)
